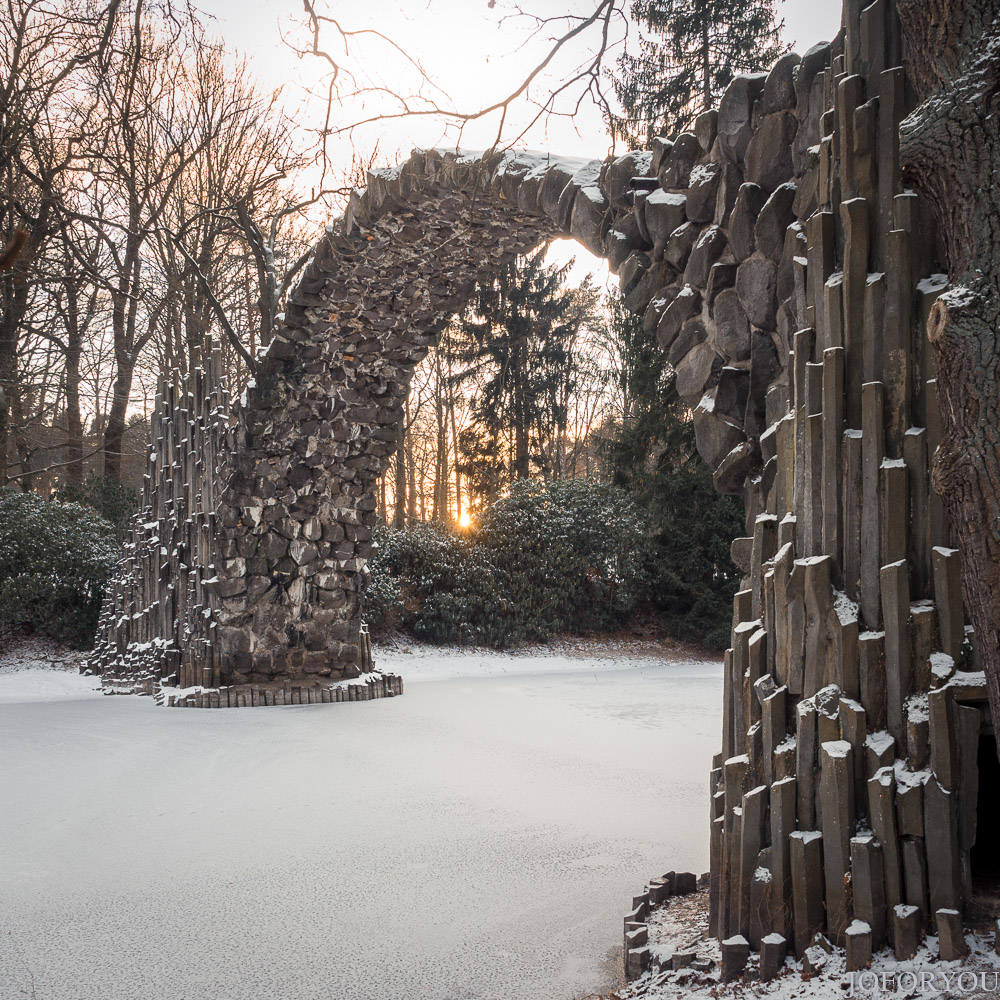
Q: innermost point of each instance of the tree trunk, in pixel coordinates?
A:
(14, 306)
(73, 472)
(399, 486)
(950, 146)
(114, 431)
(520, 468)
(439, 511)
(7, 390)
(454, 433)
(706, 67)
(411, 477)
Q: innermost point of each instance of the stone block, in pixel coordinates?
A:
(775, 217)
(872, 453)
(944, 876)
(942, 737)
(753, 838)
(773, 951)
(756, 281)
(858, 946)
(805, 763)
(782, 820)
(806, 861)
(749, 202)
(636, 936)
(910, 806)
(871, 677)
(895, 587)
(769, 152)
(854, 729)
(882, 816)
(906, 924)
(636, 962)
(917, 736)
(952, 945)
(703, 185)
(680, 243)
(663, 212)
(968, 723)
(774, 720)
(868, 885)
(705, 252)
(837, 796)
(735, 126)
(685, 883)
(814, 961)
(761, 897)
(948, 599)
(735, 953)
(658, 892)
(915, 875)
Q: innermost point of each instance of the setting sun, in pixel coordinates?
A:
(464, 520)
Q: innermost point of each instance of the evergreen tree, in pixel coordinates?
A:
(517, 347)
(689, 51)
(652, 454)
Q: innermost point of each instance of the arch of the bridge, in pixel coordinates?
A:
(702, 234)
(325, 412)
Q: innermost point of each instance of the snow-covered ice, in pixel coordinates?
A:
(479, 837)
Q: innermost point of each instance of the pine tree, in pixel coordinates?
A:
(689, 51)
(517, 349)
(652, 455)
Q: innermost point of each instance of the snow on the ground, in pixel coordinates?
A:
(681, 925)
(38, 670)
(478, 837)
(415, 661)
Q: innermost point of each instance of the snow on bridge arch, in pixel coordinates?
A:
(258, 577)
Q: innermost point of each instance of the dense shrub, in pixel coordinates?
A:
(114, 501)
(553, 557)
(55, 559)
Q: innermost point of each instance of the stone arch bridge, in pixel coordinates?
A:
(248, 566)
(788, 274)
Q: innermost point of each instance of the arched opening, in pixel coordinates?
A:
(984, 859)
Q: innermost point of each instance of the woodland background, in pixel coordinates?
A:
(158, 204)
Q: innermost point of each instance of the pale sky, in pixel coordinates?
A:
(467, 48)
(473, 50)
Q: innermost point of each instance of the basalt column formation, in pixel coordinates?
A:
(788, 275)
(845, 798)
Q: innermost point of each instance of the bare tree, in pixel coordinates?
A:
(44, 49)
(568, 71)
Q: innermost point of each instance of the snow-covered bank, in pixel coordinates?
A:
(477, 838)
(418, 662)
(38, 670)
(682, 925)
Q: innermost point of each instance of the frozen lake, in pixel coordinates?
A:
(479, 837)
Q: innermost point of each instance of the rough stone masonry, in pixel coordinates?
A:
(788, 275)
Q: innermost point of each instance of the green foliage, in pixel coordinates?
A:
(652, 456)
(114, 501)
(688, 53)
(566, 556)
(55, 559)
(518, 349)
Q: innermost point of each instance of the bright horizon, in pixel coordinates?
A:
(486, 57)
(482, 61)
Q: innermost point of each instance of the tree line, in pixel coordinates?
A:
(154, 195)
(157, 206)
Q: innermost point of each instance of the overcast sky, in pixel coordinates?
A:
(468, 47)
(475, 52)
